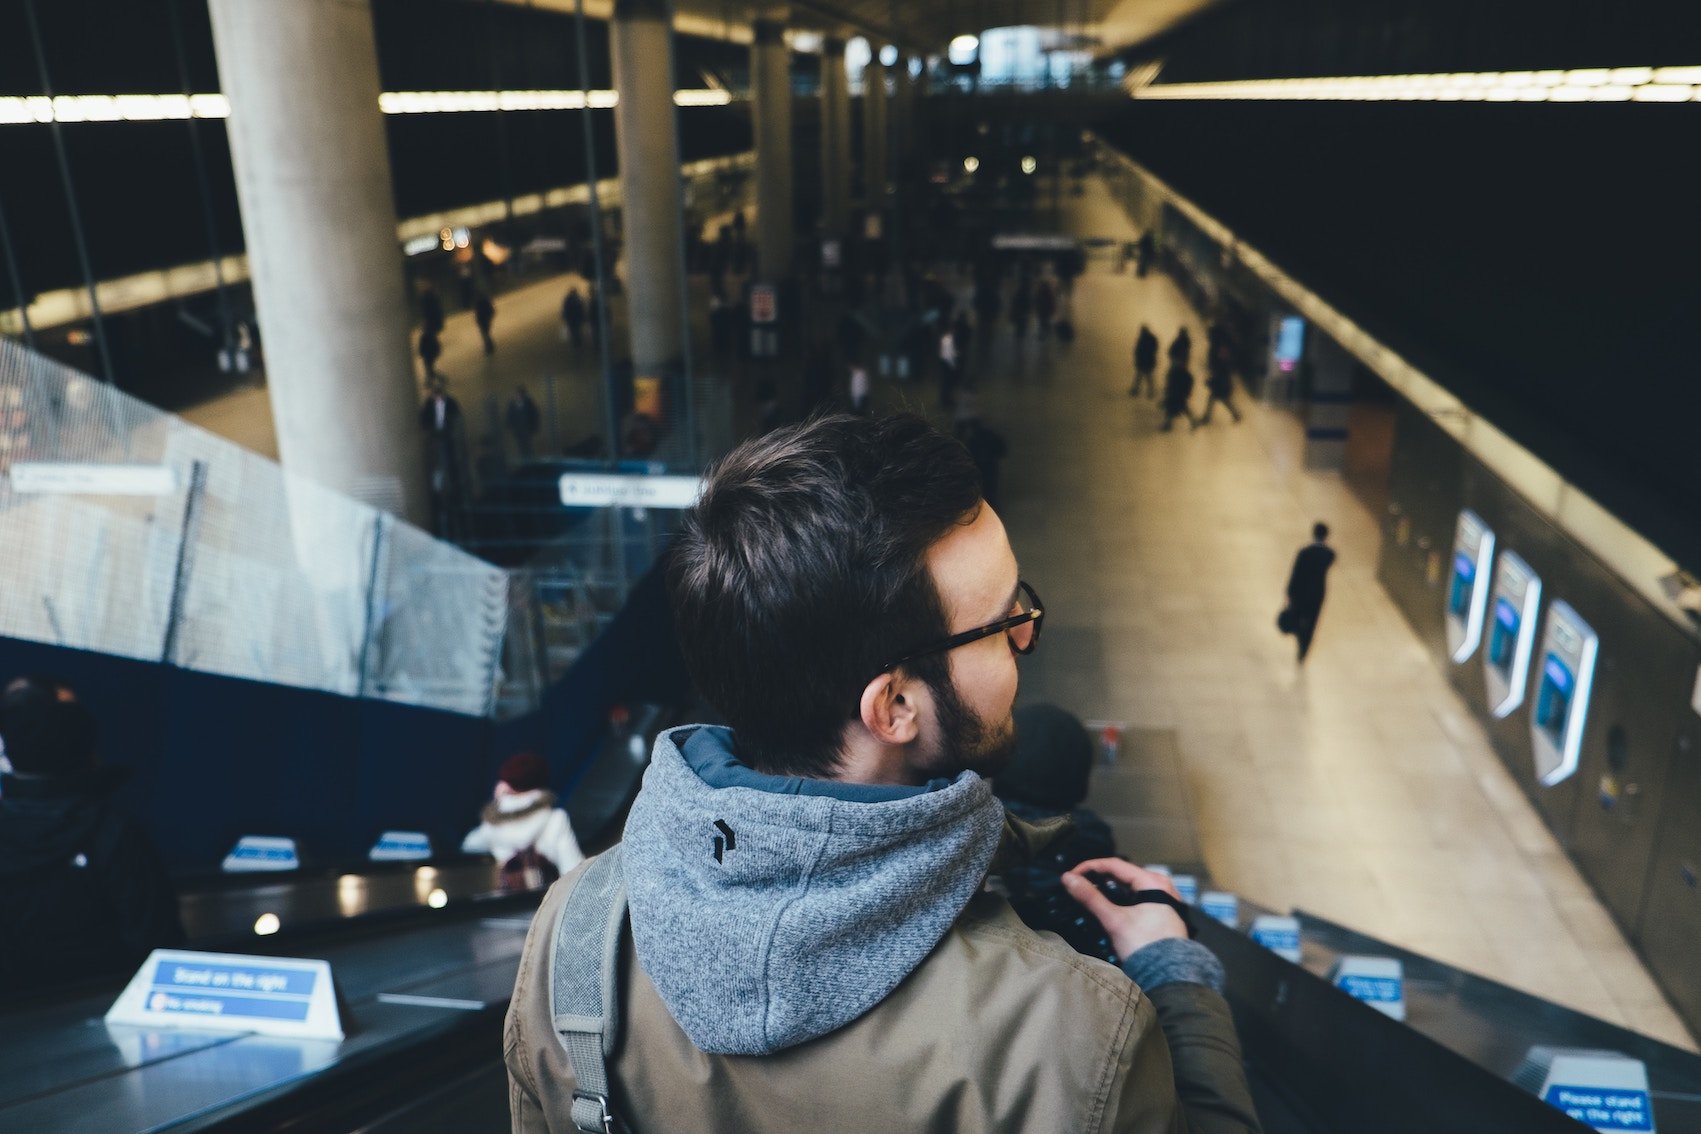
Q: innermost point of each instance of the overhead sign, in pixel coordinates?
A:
(272, 996)
(69, 478)
(608, 490)
(1033, 242)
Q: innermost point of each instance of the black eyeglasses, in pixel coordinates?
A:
(1022, 630)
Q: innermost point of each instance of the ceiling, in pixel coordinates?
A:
(924, 25)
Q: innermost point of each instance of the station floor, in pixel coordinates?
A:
(1357, 787)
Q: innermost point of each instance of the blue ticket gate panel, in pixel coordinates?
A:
(1566, 678)
(1467, 591)
(1512, 607)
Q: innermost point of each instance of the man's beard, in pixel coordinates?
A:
(966, 742)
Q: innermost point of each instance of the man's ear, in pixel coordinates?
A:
(889, 709)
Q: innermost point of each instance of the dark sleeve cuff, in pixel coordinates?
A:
(1174, 960)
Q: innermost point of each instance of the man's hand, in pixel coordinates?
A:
(1130, 928)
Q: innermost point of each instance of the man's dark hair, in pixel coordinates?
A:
(1319, 531)
(45, 734)
(802, 570)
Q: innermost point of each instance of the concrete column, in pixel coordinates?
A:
(770, 73)
(307, 143)
(835, 138)
(646, 131)
(874, 129)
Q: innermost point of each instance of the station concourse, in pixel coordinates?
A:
(314, 611)
(1355, 786)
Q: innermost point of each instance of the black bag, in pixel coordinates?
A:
(1286, 622)
(527, 871)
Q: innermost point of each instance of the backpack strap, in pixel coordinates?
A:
(584, 996)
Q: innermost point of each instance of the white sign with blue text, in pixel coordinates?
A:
(1377, 981)
(261, 853)
(1602, 1089)
(1223, 906)
(71, 478)
(401, 846)
(273, 996)
(610, 490)
(1279, 934)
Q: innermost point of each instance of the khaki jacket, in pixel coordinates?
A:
(999, 1029)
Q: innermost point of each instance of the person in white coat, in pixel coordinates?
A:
(523, 829)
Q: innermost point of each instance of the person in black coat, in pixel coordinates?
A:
(83, 889)
(1178, 395)
(1048, 776)
(484, 314)
(1181, 347)
(573, 316)
(1219, 382)
(1306, 586)
(1145, 363)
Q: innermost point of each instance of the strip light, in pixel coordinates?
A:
(1598, 84)
(15, 110)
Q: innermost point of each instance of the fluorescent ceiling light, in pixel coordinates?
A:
(1590, 84)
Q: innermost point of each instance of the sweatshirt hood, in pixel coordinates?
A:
(769, 918)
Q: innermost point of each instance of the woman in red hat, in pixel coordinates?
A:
(522, 827)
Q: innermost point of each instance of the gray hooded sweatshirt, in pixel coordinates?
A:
(772, 914)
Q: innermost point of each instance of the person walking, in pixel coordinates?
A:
(484, 314)
(430, 350)
(431, 310)
(441, 422)
(1181, 347)
(1219, 383)
(947, 367)
(523, 421)
(1145, 363)
(1306, 587)
(1178, 393)
(859, 387)
(1021, 306)
(1045, 307)
(573, 316)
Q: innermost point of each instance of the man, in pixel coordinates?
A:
(84, 892)
(523, 420)
(573, 316)
(811, 946)
(440, 420)
(1219, 383)
(1178, 396)
(484, 314)
(1145, 363)
(1306, 586)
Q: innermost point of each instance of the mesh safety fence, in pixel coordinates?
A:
(125, 530)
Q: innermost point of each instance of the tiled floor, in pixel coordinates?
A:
(1357, 787)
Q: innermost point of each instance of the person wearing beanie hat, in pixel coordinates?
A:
(83, 888)
(1046, 778)
(522, 828)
